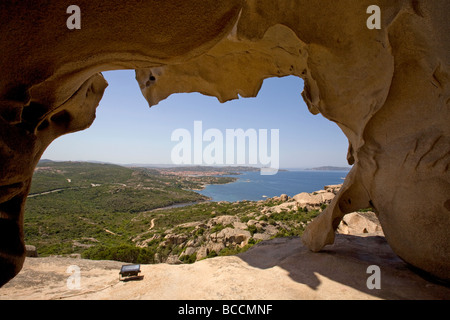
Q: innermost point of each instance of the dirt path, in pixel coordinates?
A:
(46, 192)
(139, 236)
(152, 224)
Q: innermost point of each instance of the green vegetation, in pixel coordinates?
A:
(109, 212)
(366, 210)
(76, 200)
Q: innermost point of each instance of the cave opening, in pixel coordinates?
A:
(89, 193)
(126, 131)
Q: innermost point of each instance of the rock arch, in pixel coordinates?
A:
(387, 89)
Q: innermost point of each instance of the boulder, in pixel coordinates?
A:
(175, 239)
(214, 246)
(239, 225)
(303, 198)
(173, 259)
(224, 220)
(202, 253)
(270, 230)
(327, 197)
(358, 223)
(314, 199)
(189, 251)
(234, 236)
(31, 251)
(261, 236)
(333, 188)
(285, 206)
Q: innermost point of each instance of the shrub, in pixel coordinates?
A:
(189, 258)
(124, 252)
(218, 227)
(252, 229)
(199, 232)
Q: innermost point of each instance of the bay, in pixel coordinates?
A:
(254, 186)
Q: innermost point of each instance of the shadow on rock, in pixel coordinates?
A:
(347, 262)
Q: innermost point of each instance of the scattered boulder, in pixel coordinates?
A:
(286, 206)
(233, 233)
(261, 236)
(270, 230)
(31, 251)
(334, 188)
(214, 246)
(357, 223)
(224, 220)
(173, 259)
(175, 239)
(189, 251)
(191, 224)
(315, 199)
(303, 198)
(202, 252)
(230, 236)
(239, 225)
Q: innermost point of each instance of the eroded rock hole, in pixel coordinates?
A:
(150, 80)
(61, 118)
(33, 111)
(447, 204)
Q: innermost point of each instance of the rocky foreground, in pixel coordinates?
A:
(273, 217)
(273, 268)
(280, 268)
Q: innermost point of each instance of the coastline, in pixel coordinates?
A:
(252, 186)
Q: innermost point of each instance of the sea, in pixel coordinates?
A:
(253, 186)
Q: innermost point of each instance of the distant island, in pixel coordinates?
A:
(330, 168)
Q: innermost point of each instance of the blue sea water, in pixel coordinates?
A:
(253, 186)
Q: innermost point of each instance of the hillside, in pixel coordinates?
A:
(75, 201)
(243, 250)
(109, 212)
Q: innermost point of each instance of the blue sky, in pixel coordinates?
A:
(127, 131)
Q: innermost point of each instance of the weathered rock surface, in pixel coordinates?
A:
(315, 199)
(276, 216)
(282, 268)
(360, 223)
(387, 89)
(51, 83)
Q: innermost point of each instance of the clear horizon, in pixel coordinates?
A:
(168, 165)
(126, 131)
